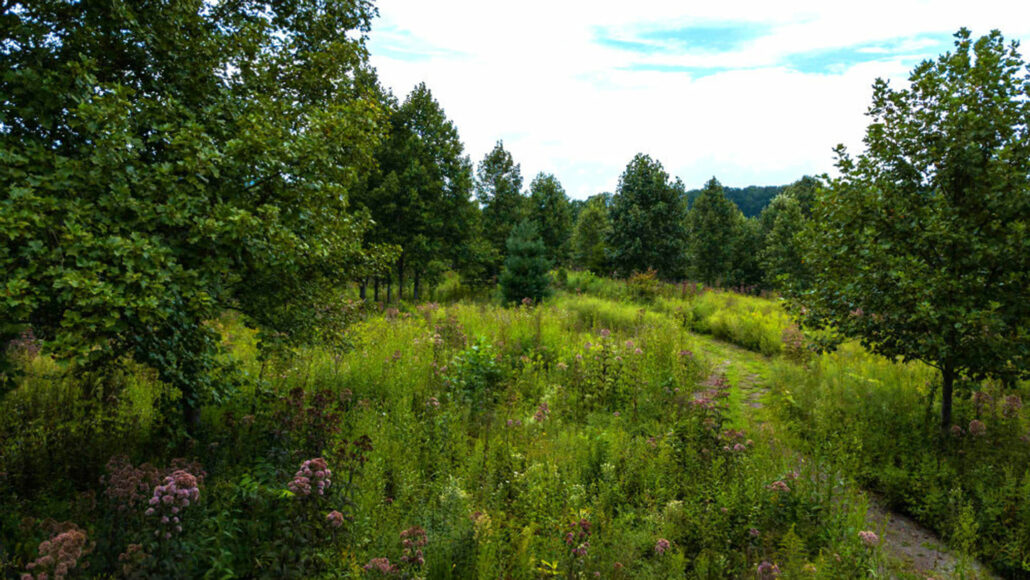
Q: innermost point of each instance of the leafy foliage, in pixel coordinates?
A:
(648, 215)
(920, 247)
(548, 208)
(593, 226)
(163, 164)
(715, 225)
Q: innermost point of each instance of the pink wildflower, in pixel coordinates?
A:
(334, 519)
(314, 474)
(869, 538)
(977, 428)
(1010, 408)
(661, 546)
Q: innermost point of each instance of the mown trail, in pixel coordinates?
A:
(912, 550)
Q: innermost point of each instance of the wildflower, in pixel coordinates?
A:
(686, 353)
(956, 430)
(768, 570)
(629, 344)
(638, 351)
(869, 538)
(605, 333)
(381, 565)
(754, 533)
(175, 494)
(616, 414)
(433, 403)
(981, 401)
(334, 519)
(661, 546)
(413, 539)
(59, 555)
(514, 423)
(562, 366)
(809, 568)
(977, 428)
(778, 486)
(541, 413)
(578, 537)
(1010, 408)
(313, 472)
(739, 447)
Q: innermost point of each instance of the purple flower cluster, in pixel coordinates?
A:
(869, 538)
(779, 486)
(981, 402)
(413, 539)
(767, 570)
(179, 490)
(334, 519)
(541, 413)
(977, 428)
(313, 474)
(735, 441)
(578, 537)
(58, 555)
(1011, 406)
(381, 565)
(661, 546)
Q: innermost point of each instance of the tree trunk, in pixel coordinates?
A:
(418, 277)
(400, 278)
(375, 289)
(389, 287)
(948, 383)
(363, 289)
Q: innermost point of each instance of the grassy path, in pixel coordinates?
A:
(912, 550)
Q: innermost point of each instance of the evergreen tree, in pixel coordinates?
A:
(499, 191)
(588, 239)
(715, 225)
(526, 265)
(781, 255)
(648, 216)
(550, 210)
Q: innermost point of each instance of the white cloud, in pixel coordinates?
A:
(534, 74)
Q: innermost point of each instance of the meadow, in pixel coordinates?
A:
(606, 432)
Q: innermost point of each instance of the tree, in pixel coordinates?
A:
(746, 271)
(499, 191)
(920, 248)
(588, 237)
(781, 253)
(715, 224)
(162, 163)
(648, 216)
(525, 268)
(549, 209)
(419, 197)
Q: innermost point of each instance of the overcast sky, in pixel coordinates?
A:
(754, 93)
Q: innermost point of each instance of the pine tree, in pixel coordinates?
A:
(525, 268)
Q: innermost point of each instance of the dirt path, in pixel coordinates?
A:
(912, 550)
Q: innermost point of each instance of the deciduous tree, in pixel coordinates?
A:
(921, 248)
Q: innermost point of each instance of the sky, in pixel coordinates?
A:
(752, 92)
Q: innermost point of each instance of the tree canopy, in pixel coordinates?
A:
(549, 209)
(920, 248)
(715, 224)
(163, 163)
(648, 217)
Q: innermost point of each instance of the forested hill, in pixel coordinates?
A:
(751, 199)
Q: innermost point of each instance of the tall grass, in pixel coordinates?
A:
(878, 420)
(497, 432)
